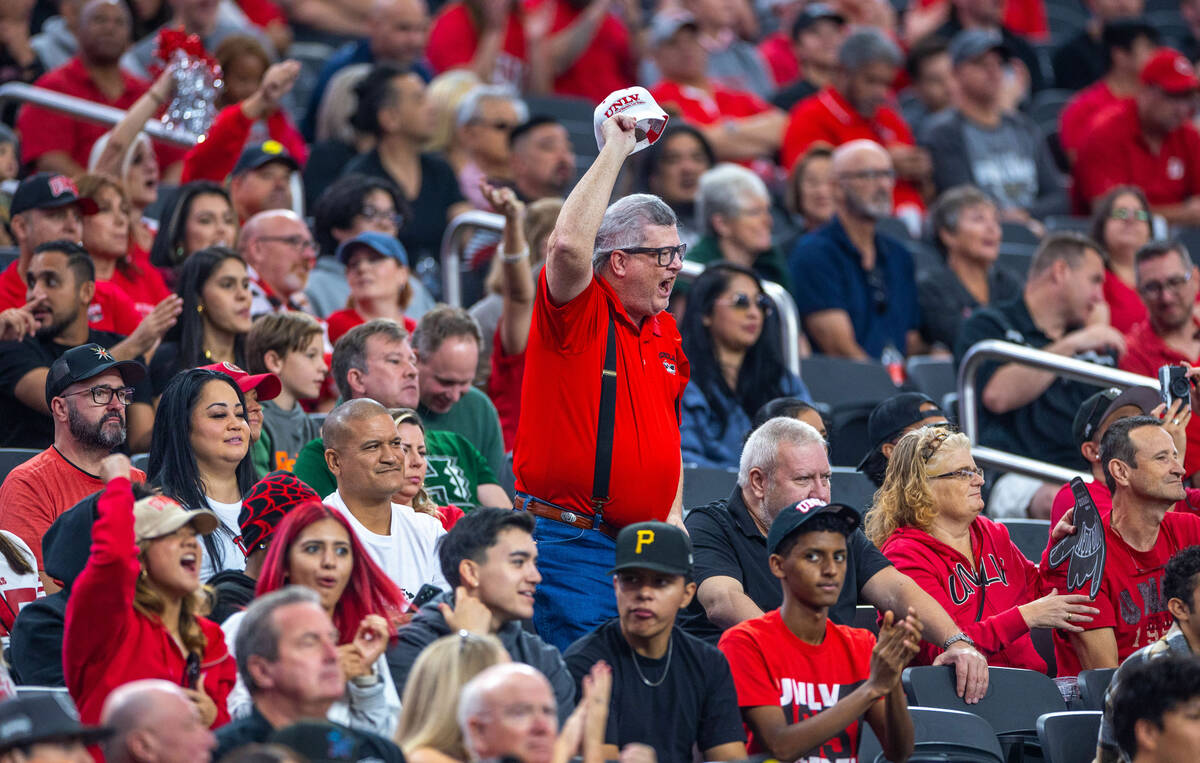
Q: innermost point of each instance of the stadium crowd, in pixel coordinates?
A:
(386, 403)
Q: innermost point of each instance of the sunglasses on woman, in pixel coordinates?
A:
(742, 301)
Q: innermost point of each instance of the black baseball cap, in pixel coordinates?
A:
(894, 414)
(48, 190)
(654, 546)
(84, 362)
(1101, 405)
(793, 518)
(261, 154)
(814, 12)
(48, 717)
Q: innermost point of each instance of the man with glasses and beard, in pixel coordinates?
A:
(88, 392)
(854, 287)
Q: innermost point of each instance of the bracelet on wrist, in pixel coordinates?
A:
(957, 637)
(512, 258)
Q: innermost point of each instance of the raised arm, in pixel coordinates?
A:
(516, 276)
(127, 129)
(569, 261)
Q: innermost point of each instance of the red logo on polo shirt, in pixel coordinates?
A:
(668, 361)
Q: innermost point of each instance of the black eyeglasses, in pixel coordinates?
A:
(104, 395)
(741, 301)
(879, 290)
(664, 255)
(1155, 288)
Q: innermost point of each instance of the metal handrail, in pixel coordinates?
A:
(89, 111)
(1079, 370)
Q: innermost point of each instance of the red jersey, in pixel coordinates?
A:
(1082, 111)
(827, 117)
(1115, 153)
(1024, 17)
(504, 388)
(342, 321)
(214, 157)
(453, 39)
(707, 107)
(35, 493)
(773, 667)
(1130, 599)
(605, 65)
(107, 643)
(781, 60)
(555, 453)
(1125, 307)
(983, 599)
(43, 130)
(143, 284)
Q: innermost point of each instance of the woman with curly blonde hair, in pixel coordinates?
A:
(927, 519)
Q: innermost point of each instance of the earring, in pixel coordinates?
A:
(199, 308)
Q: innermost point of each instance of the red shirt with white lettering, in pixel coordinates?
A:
(453, 39)
(1115, 153)
(1130, 599)
(773, 667)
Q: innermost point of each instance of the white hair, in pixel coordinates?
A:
(846, 150)
(473, 700)
(625, 222)
(468, 108)
(761, 450)
(725, 190)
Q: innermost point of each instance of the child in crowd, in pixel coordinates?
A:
(805, 684)
(291, 346)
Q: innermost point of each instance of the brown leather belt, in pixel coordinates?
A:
(546, 510)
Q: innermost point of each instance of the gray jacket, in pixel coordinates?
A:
(523, 646)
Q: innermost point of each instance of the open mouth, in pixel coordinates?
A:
(190, 563)
(327, 582)
(664, 286)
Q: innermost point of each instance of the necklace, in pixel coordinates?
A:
(666, 668)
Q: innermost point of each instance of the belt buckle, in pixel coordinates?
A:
(569, 517)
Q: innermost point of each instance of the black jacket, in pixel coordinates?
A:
(233, 591)
(429, 625)
(35, 644)
(255, 729)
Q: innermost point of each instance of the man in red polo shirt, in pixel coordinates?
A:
(1168, 284)
(853, 109)
(604, 364)
(1149, 142)
(738, 125)
(55, 142)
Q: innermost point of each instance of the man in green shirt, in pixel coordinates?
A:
(375, 360)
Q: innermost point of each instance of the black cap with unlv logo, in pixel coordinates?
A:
(793, 517)
(45, 190)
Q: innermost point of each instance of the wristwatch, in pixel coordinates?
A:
(367, 681)
(960, 636)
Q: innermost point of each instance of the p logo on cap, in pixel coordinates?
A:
(644, 538)
(639, 104)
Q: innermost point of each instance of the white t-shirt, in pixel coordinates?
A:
(16, 589)
(409, 554)
(225, 536)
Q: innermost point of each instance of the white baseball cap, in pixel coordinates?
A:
(639, 104)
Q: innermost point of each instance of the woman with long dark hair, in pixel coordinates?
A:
(315, 547)
(202, 216)
(199, 456)
(1122, 223)
(732, 340)
(214, 284)
(133, 612)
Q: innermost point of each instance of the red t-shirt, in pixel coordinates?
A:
(773, 667)
(827, 117)
(1145, 353)
(1082, 111)
(605, 65)
(777, 51)
(1125, 307)
(215, 157)
(1065, 499)
(43, 130)
(453, 39)
(1024, 17)
(143, 284)
(338, 323)
(1130, 599)
(555, 454)
(1115, 153)
(504, 388)
(710, 107)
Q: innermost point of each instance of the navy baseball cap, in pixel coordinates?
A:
(793, 518)
(47, 190)
(378, 242)
(261, 154)
(26, 721)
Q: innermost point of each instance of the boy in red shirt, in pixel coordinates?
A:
(804, 683)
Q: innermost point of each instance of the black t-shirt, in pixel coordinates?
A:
(696, 703)
(1040, 430)
(726, 542)
(422, 231)
(789, 96)
(23, 426)
(945, 303)
(1079, 62)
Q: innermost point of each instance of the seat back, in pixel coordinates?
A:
(840, 381)
(1029, 535)
(1069, 737)
(852, 487)
(935, 377)
(1014, 700)
(940, 735)
(703, 484)
(11, 458)
(1092, 685)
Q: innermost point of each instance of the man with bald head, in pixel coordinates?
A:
(364, 452)
(280, 251)
(854, 286)
(491, 699)
(154, 721)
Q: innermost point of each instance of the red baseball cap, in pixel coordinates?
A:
(267, 385)
(1171, 71)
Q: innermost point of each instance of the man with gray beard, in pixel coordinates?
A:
(854, 287)
(87, 391)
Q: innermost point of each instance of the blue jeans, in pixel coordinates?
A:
(576, 593)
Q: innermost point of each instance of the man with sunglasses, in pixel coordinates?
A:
(598, 443)
(1168, 284)
(88, 392)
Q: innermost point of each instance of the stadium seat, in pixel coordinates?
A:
(925, 256)
(1015, 258)
(1029, 535)
(867, 618)
(852, 487)
(1092, 685)
(1045, 109)
(940, 735)
(1068, 223)
(704, 484)
(25, 692)
(11, 458)
(848, 437)
(8, 255)
(1017, 233)
(141, 461)
(1065, 21)
(1065, 736)
(935, 377)
(840, 382)
(1015, 699)
(1043, 642)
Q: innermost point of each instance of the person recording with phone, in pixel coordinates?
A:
(1168, 284)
